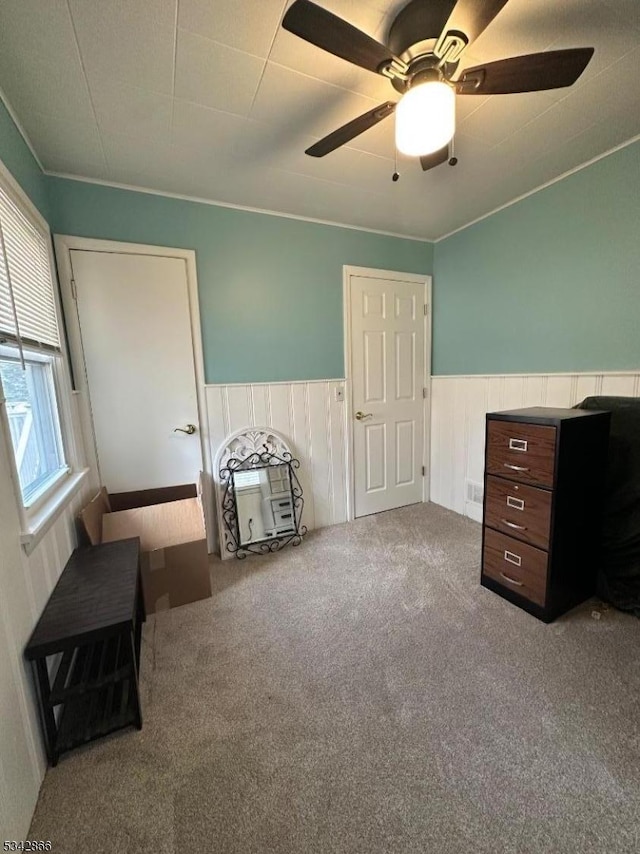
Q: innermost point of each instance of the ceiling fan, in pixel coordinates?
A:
(421, 58)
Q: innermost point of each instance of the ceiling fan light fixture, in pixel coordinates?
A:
(425, 118)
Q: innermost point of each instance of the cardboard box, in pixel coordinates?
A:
(91, 516)
(173, 546)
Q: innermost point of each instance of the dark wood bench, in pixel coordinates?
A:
(92, 624)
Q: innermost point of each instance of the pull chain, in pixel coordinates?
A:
(453, 160)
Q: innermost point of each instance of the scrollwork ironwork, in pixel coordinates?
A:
(269, 454)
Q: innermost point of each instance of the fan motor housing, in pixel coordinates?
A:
(419, 21)
(413, 35)
(421, 69)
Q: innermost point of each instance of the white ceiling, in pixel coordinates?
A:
(213, 99)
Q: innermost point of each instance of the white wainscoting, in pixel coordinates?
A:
(26, 582)
(458, 408)
(23, 760)
(314, 424)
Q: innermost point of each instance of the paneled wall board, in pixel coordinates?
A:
(460, 403)
(26, 583)
(313, 422)
(301, 440)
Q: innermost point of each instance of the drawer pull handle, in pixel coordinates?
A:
(517, 445)
(515, 503)
(515, 468)
(513, 525)
(516, 560)
(512, 580)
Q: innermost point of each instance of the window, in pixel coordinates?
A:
(30, 352)
(34, 427)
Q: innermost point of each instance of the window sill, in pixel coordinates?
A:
(40, 521)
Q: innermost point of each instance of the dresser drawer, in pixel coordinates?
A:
(518, 510)
(516, 566)
(283, 518)
(524, 452)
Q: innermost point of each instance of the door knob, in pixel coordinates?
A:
(190, 429)
(360, 416)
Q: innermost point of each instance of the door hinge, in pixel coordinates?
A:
(425, 393)
(426, 310)
(424, 471)
(74, 292)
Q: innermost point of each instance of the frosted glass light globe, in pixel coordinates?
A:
(425, 118)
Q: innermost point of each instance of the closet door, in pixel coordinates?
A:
(388, 370)
(138, 351)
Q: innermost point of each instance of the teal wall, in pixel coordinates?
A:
(270, 287)
(549, 284)
(19, 160)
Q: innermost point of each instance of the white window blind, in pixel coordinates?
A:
(27, 301)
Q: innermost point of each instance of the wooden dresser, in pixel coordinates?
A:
(544, 489)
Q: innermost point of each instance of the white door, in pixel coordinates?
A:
(388, 369)
(138, 350)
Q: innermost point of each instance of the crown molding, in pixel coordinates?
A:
(132, 188)
(544, 186)
(21, 130)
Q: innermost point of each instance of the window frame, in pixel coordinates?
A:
(11, 352)
(36, 518)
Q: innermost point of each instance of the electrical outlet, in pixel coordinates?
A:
(339, 392)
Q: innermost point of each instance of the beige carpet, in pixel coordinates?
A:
(362, 693)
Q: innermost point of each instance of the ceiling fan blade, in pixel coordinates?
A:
(469, 18)
(551, 70)
(428, 161)
(351, 130)
(325, 30)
